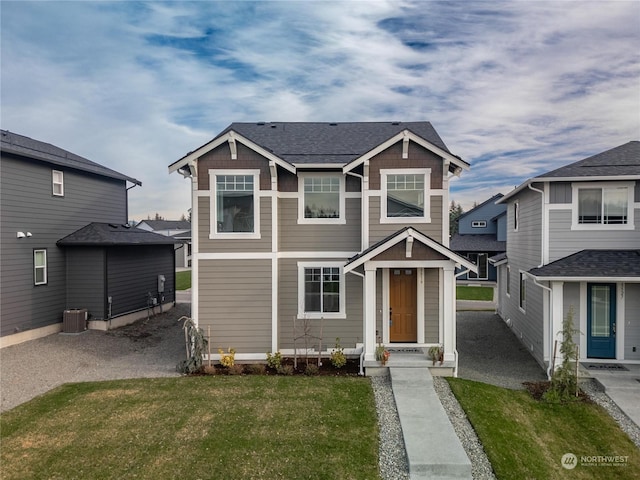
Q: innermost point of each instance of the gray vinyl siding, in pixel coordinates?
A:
(560, 192)
(563, 241)
(132, 273)
(27, 205)
(632, 321)
(378, 231)
(235, 304)
(316, 237)
(86, 280)
(524, 253)
(571, 298)
(349, 329)
(431, 305)
(262, 244)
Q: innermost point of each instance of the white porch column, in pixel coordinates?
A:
(555, 324)
(370, 313)
(449, 313)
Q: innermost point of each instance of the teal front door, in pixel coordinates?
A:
(601, 320)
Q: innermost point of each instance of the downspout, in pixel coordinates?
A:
(127, 201)
(544, 287)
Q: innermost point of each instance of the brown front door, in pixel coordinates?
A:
(403, 305)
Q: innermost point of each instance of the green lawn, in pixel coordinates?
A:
(464, 292)
(227, 427)
(183, 280)
(525, 438)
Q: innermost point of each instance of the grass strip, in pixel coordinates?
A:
(465, 292)
(525, 438)
(183, 280)
(228, 427)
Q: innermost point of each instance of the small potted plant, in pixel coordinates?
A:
(436, 354)
(382, 354)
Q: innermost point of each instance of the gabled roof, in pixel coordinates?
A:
(477, 243)
(618, 163)
(321, 144)
(399, 236)
(603, 265)
(498, 259)
(493, 199)
(45, 152)
(106, 234)
(168, 224)
(182, 235)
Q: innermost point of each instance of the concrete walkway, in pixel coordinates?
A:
(622, 386)
(433, 448)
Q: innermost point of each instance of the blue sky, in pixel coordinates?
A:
(514, 88)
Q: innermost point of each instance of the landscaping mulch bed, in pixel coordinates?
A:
(538, 389)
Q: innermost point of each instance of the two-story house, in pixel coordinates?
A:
(482, 234)
(65, 243)
(344, 224)
(573, 241)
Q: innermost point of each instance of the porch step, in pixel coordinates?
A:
(433, 448)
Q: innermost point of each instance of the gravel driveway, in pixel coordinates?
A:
(144, 349)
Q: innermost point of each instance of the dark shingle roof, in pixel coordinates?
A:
(619, 161)
(593, 263)
(45, 152)
(339, 143)
(493, 199)
(476, 243)
(96, 234)
(168, 224)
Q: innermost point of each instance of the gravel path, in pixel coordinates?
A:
(144, 349)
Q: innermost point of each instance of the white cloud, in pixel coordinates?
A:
(516, 88)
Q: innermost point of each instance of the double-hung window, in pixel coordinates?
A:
(57, 183)
(40, 267)
(602, 206)
(523, 291)
(235, 204)
(322, 198)
(321, 290)
(405, 195)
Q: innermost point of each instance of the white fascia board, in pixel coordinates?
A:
(230, 136)
(586, 279)
(410, 232)
(400, 137)
(318, 166)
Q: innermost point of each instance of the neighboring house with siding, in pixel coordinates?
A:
(344, 224)
(573, 241)
(482, 233)
(178, 229)
(47, 193)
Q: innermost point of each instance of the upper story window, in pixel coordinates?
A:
(321, 290)
(602, 206)
(57, 178)
(405, 197)
(516, 215)
(322, 199)
(40, 267)
(478, 224)
(235, 203)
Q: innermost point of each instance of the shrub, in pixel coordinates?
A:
(227, 359)
(311, 369)
(196, 347)
(257, 368)
(209, 370)
(338, 358)
(274, 360)
(564, 381)
(285, 370)
(235, 369)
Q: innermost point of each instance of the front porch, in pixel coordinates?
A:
(410, 357)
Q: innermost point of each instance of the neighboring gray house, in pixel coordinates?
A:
(573, 241)
(178, 229)
(340, 224)
(482, 233)
(46, 193)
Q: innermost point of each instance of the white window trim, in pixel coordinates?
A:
(43, 267)
(426, 218)
(213, 233)
(486, 263)
(479, 224)
(316, 315)
(522, 280)
(630, 186)
(54, 183)
(320, 221)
